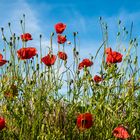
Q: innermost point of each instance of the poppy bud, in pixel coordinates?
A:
(119, 21)
(131, 41)
(9, 24)
(41, 75)
(2, 29)
(124, 28)
(118, 33)
(10, 64)
(78, 72)
(18, 38)
(74, 49)
(100, 18)
(31, 82)
(11, 43)
(77, 53)
(71, 81)
(37, 66)
(74, 33)
(52, 34)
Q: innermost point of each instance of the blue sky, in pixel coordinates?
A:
(79, 15)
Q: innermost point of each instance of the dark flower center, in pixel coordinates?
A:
(84, 122)
(116, 132)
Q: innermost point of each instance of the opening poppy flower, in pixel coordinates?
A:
(113, 56)
(26, 53)
(61, 39)
(62, 55)
(97, 79)
(60, 27)
(84, 121)
(49, 59)
(121, 132)
(85, 63)
(2, 123)
(26, 37)
(2, 61)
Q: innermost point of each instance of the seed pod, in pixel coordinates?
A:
(37, 66)
(119, 21)
(100, 18)
(41, 75)
(9, 24)
(71, 81)
(74, 33)
(77, 53)
(2, 29)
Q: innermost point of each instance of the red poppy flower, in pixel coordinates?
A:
(62, 55)
(84, 121)
(26, 53)
(26, 37)
(114, 57)
(108, 50)
(61, 39)
(85, 63)
(2, 123)
(97, 78)
(2, 61)
(120, 132)
(49, 59)
(60, 27)
(1, 56)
